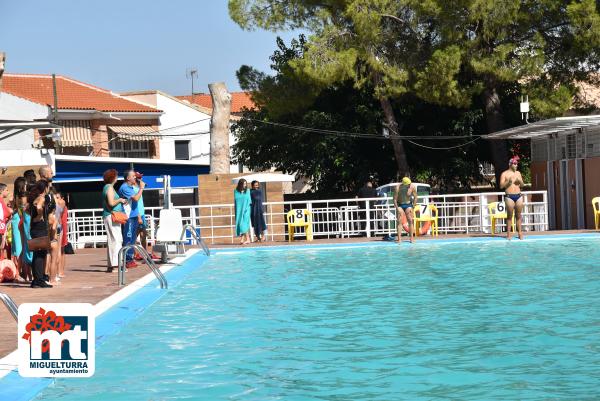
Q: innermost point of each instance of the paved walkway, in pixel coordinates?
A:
(86, 281)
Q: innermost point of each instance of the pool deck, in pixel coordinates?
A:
(87, 281)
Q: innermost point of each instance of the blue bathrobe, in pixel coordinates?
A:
(242, 211)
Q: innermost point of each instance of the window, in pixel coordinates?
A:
(182, 150)
(571, 147)
(125, 148)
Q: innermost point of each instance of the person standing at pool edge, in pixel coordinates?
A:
(241, 196)
(511, 181)
(132, 192)
(257, 215)
(405, 198)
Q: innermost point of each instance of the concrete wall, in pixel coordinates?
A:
(187, 119)
(16, 108)
(217, 189)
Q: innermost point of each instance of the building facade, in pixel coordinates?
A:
(184, 127)
(567, 165)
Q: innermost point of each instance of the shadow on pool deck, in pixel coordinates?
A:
(86, 280)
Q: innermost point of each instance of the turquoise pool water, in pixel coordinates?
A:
(466, 321)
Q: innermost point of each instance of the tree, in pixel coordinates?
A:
(446, 52)
(340, 162)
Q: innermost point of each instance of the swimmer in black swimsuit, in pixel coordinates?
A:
(511, 181)
(405, 198)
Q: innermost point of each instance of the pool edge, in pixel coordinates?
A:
(112, 313)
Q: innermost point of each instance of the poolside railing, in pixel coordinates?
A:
(332, 218)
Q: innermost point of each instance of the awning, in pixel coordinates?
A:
(266, 177)
(182, 175)
(134, 132)
(75, 133)
(546, 127)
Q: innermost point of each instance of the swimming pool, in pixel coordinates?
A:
(462, 320)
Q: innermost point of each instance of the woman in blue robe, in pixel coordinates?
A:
(243, 202)
(257, 214)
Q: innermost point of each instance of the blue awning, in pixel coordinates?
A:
(182, 176)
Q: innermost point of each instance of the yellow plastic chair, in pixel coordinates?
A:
(424, 213)
(497, 211)
(299, 218)
(596, 207)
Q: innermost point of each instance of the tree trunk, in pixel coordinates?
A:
(219, 128)
(495, 122)
(2, 58)
(397, 144)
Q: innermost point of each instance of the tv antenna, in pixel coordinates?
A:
(191, 73)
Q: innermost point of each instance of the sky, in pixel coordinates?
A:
(125, 45)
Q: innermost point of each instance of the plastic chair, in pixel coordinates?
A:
(596, 207)
(425, 213)
(497, 211)
(299, 218)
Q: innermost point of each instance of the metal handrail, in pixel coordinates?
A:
(147, 258)
(196, 236)
(10, 305)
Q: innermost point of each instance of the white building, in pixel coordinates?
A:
(13, 108)
(184, 127)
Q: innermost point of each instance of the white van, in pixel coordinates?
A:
(423, 191)
(388, 212)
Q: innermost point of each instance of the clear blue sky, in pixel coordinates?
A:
(131, 44)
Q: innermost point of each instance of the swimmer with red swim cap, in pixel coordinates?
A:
(512, 181)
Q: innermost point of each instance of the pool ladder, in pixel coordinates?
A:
(196, 236)
(10, 305)
(149, 262)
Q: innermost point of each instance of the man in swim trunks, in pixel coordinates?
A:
(405, 198)
(511, 181)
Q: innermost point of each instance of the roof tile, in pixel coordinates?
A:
(239, 101)
(72, 94)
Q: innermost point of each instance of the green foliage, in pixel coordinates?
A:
(444, 51)
(332, 164)
(441, 58)
(341, 163)
(438, 84)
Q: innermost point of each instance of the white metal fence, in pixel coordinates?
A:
(332, 218)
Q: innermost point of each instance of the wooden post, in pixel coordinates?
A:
(219, 128)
